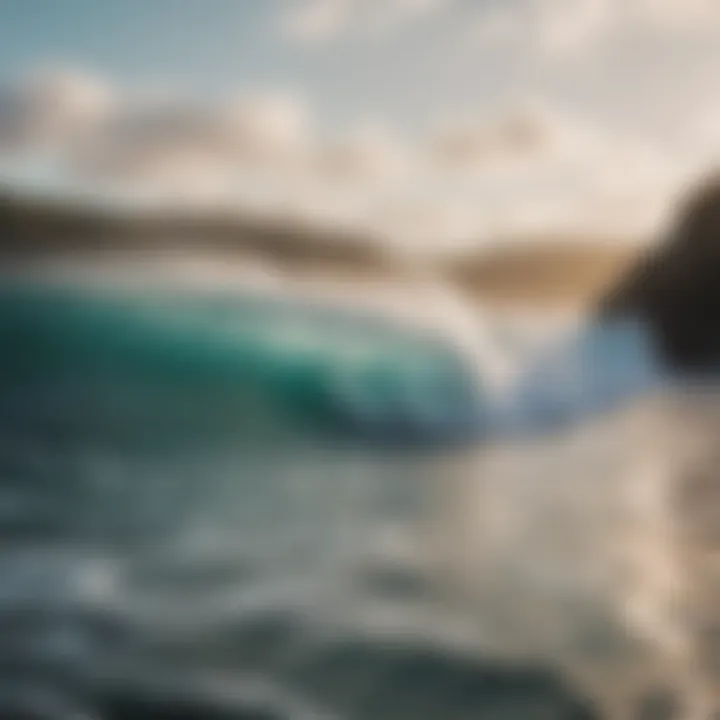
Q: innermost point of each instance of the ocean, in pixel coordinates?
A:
(216, 503)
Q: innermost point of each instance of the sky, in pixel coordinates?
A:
(424, 122)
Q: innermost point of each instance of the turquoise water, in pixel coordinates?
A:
(200, 492)
(322, 371)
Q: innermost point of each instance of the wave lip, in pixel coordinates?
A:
(598, 367)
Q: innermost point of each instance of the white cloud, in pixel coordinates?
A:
(674, 15)
(49, 108)
(548, 30)
(272, 126)
(537, 168)
(325, 21)
(530, 131)
(369, 153)
(421, 6)
(529, 167)
(560, 30)
(317, 21)
(568, 26)
(188, 145)
(493, 27)
(392, 15)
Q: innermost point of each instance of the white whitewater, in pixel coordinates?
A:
(580, 532)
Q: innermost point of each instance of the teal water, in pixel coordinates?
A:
(313, 368)
(229, 482)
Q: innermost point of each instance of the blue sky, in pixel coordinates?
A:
(449, 116)
(210, 41)
(220, 46)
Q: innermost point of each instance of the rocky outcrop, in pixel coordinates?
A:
(675, 288)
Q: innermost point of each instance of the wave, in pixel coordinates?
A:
(244, 485)
(317, 366)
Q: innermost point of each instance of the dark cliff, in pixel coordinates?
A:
(675, 287)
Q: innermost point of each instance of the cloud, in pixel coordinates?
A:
(547, 29)
(316, 22)
(155, 146)
(50, 108)
(493, 27)
(369, 153)
(529, 167)
(561, 30)
(538, 168)
(568, 26)
(271, 126)
(530, 131)
(678, 15)
(187, 145)
(393, 15)
(476, 144)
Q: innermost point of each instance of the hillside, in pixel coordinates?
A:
(33, 228)
(544, 271)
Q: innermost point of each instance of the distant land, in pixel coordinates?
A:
(550, 270)
(533, 271)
